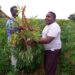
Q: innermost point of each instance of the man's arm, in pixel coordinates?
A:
(46, 40)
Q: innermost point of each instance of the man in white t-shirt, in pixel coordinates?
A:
(52, 43)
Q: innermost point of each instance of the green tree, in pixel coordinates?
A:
(72, 17)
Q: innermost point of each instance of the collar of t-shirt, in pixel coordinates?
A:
(51, 24)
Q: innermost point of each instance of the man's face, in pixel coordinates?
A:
(49, 18)
(15, 12)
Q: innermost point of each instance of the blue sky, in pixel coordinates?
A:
(39, 8)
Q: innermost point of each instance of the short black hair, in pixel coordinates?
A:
(54, 15)
(11, 9)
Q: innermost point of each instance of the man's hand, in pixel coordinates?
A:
(31, 42)
(12, 30)
(22, 28)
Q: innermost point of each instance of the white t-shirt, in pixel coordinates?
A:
(52, 30)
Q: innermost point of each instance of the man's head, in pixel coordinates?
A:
(50, 18)
(14, 11)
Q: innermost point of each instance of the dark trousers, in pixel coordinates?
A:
(50, 61)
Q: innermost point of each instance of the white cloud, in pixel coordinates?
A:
(62, 8)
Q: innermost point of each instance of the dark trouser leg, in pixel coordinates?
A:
(50, 61)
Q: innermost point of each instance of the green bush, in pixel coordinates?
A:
(67, 61)
(5, 65)
(66, 65)
(27, 59)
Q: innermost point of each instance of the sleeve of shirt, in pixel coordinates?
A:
(53, 31)
(8, 25)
